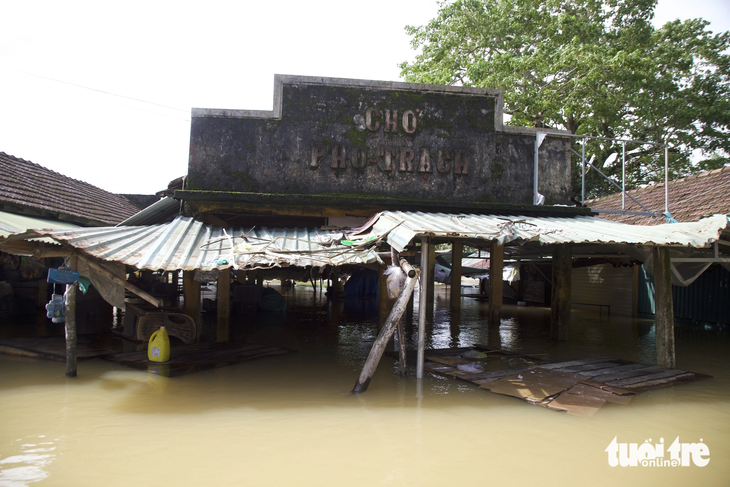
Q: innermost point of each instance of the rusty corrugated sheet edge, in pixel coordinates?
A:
(186, 244)
(546, 230)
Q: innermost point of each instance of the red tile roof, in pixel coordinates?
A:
(690, 199)
(33, 189)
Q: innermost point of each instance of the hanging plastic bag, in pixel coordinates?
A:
(396, 279)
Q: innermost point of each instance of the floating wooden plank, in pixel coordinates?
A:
(579, 387)
(583, 389)
(635, 372)
(506, 353)
(664, 382)
(446, 360)
(493, 375)
(612, 373)
(612, 389)
(534, 385)
(590, 368)
(577, 405)
(666, 373)
(435, 367)
(571, 363)
(661, 383)
(50, 348)
(185, 359)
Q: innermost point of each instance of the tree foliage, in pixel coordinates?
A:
(592, 67)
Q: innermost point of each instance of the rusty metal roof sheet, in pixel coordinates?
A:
(186, 244)
(11, 223)
(402, 227)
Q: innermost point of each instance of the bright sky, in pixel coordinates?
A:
(63, 63)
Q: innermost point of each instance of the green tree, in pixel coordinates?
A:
(594, 68)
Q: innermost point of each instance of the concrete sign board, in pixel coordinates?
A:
(371, 138)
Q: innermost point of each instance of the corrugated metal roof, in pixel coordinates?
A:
(161, 211)
(186, 244)
(11, 223)
(402, 227)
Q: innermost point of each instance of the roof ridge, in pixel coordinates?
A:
(656, 186)
(59, 174)
(25, 182)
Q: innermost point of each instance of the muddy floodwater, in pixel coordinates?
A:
(291, 419)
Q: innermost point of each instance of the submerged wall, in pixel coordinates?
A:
(369, 138)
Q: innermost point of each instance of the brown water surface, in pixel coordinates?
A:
(291, 420)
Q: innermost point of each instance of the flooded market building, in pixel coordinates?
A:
(344, 175)
(348, 173)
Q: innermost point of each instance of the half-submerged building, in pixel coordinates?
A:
(349, 172)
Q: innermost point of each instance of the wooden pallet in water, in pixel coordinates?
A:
(185, 359)
(50, 348)
(580, 387)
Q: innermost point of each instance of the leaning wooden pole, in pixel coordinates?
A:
(386, 332)
(402, 365)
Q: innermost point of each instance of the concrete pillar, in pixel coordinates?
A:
(224, 306)
(562, 283)
(191, 295)
(664, 308)
(496, 265)
(457, 249)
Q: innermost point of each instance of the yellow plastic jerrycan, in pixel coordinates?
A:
(159, 346)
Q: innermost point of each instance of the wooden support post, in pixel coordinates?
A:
(338, 291)
(562, 285)
(635, 293)
(259, 278)
(387, 331)
(191, 295)
(224, 306)
(384, 303)
(146, 277)
(457, 249)
(42, 299)
(70, 324)
(422, 306)
(496, 266)
(664, 308)
(430, 279)
(175, 280)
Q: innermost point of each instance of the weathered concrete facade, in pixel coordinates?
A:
(375, 139)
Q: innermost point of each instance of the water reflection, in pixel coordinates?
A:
(30, 462)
